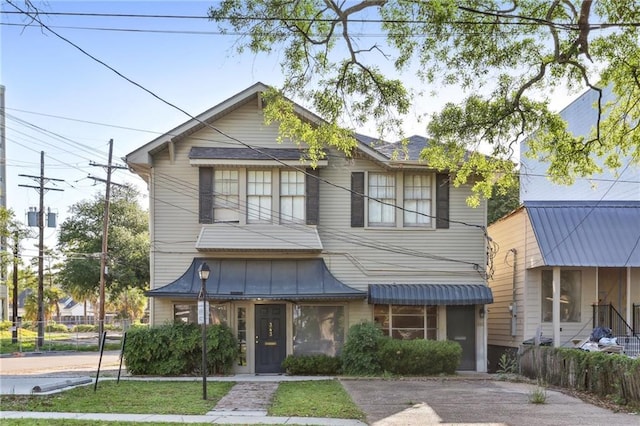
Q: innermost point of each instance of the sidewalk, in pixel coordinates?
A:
(214, 418)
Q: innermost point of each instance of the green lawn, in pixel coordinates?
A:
(326, 398)
(137, 397)
(70, 422)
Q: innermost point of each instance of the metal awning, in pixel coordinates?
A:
(242, 279)
(430, 294)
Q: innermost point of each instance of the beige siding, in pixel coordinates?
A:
(510, 243)
(362, 256)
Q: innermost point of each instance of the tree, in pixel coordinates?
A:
(502, 202)
(80, 240)
(507, 57)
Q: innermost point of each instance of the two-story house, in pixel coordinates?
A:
(299, 254)
(568, 259)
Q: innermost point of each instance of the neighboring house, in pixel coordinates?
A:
(298, 255)
(568, 259)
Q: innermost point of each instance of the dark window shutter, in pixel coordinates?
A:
(312, 184)
(357, 201)
(442, 200)
(206, 194)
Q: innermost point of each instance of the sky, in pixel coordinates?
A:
(62, 100)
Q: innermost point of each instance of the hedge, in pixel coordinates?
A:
(311, 365)
(600, 373)
(419, 357)
(176, 349)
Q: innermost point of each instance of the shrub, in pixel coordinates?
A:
(5, 325)
(360, 352)
(311, 365)
(53, 327)
(85, 328)
(176, 349)
(419, 357)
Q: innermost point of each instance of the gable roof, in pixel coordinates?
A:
(373, 148)
(587, 233)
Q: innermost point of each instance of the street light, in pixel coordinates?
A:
(203, 271)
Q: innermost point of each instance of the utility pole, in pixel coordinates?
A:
(105, 234)
(14, 315)
(41, 189)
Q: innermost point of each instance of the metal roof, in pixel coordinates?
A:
(242, 279)
(430, 294)
(587, 233)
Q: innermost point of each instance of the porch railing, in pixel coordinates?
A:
(626, 335)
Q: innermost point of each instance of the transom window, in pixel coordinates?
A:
(407, 322)
(292, 202)
(258, 196)
(382, 201)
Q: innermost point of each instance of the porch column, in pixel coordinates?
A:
(629, 316)
(556, 306)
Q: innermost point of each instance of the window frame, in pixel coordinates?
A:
(338, 344)
(264, 214)
(429, 312)
(573, 313)
(372, 197)
(295, 197)
(223, 196)
(423, 217)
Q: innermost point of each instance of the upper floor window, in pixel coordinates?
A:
(292, 200)
(225, 195)
(259, 196)
(247, 196)
(417, 199)
(382, 199)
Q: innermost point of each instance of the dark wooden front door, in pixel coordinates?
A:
(270, 338)
(461, 328)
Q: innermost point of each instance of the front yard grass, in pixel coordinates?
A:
(325, 398)
(128, 396)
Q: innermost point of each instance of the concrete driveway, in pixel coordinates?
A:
(472, 401)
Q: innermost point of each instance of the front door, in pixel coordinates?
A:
(461, 328)
(270, 338)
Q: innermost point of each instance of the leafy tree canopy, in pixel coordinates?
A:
(80, 240)
(506, 56)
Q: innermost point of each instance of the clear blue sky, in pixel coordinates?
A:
(44, 75)
(183, 61)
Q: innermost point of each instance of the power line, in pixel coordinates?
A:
(518, 20)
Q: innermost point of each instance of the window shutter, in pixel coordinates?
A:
(442, 200)
(312, 200)
(206, 194)
(357, 201)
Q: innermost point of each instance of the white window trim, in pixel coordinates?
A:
(399, 216)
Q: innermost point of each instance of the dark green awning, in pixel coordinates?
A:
(242, 279)
(430, 294)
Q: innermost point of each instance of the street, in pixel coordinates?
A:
(59, 364)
